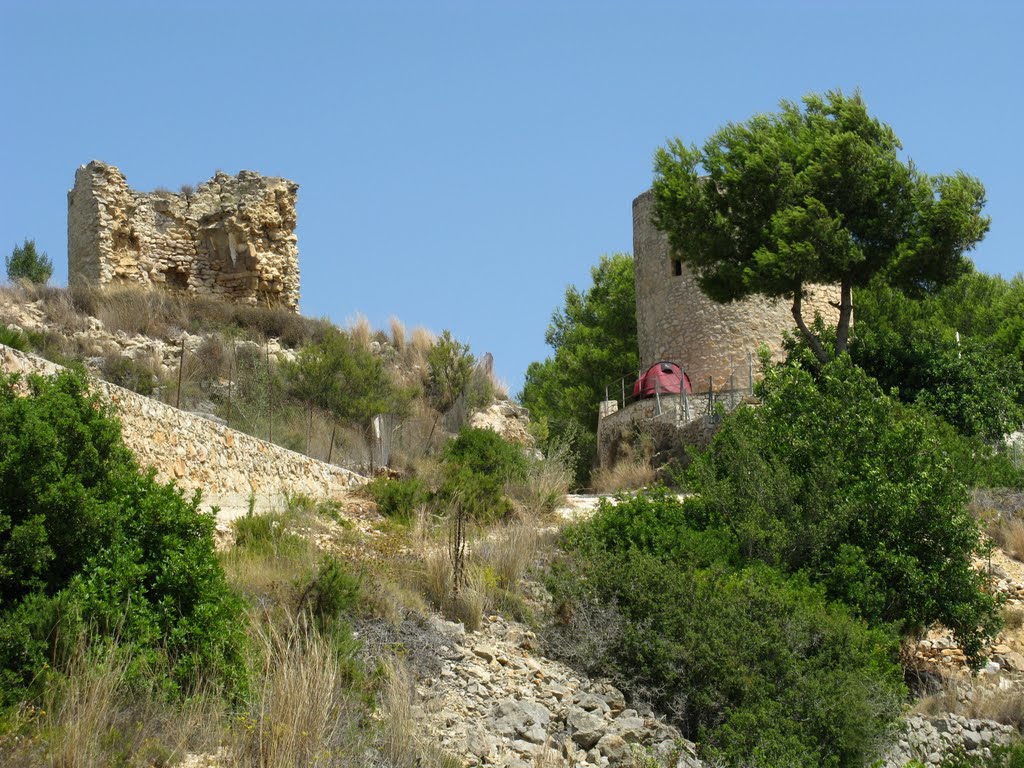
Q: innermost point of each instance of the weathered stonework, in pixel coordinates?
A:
(232, 237)
(678, 323)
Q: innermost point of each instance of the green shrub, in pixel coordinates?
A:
(1000, 756)
(87, 541)
(476, 465)
(26, 263)
(127, 372)
(754, 664)
(14, 338)
(398, 498)
(864, 494)
(333, 593)
(267, 535)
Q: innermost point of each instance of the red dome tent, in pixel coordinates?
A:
(662, 378)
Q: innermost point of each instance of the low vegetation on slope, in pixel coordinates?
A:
(301, 383)
(765, 612)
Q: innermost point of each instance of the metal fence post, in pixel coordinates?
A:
(682, 395)
(750, 372)
(181, 369)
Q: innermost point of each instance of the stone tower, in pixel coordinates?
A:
(678, 323)
(233, 237)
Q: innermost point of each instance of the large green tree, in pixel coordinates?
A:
(594, 341)
(809, 195)
(958, 351)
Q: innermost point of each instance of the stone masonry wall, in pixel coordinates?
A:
(678, 323)
(226, 465)
(232, 237)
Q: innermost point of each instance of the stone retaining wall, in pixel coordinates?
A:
(228, 466)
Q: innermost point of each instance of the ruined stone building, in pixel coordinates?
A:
(678, 323)
(232, 237)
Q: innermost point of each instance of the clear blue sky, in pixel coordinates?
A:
(461, 163)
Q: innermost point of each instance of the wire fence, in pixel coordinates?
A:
(238, 384)
(705, 399)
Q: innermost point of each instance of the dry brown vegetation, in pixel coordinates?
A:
(627, 475)
(999, 698)
(1001, 513)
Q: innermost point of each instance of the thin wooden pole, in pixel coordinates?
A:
(270, 397)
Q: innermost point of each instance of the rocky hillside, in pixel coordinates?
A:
(484, 691)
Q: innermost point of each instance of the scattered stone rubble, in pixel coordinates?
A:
(932, 739)
(498, 702)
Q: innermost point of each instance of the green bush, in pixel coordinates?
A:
(756, 665)
(87, 542)
(398, 498)
(26, 263)
(865, 495)
(129, 373)
(332, 594)
(476, 465)
(14, 338)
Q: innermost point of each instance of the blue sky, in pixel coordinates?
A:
(461, 163)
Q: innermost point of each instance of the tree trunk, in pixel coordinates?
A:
(845, 316)
(813, 341)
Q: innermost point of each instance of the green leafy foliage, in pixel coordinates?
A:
(756, 665)
(14, 338)
(398, 498)
(594, 339)
(813, 195)
(975, 382)
(87, 542)
(476, 465)
(450, 368)
(343, 378)
(26, 263)
(866, 496)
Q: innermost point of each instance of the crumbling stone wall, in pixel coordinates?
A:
(232, 237)
(677, 322)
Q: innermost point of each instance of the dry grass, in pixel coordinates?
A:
(1009, 535)
(422, 342)
(304, 712)
(547, 482)
(399, 743)
(627, 475)
(999, 698)
(360, 330)
(437, 581)
(91, 717)
(1013, 617)
(398, 334)
(509, 551)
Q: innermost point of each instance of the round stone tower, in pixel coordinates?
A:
(678, 323)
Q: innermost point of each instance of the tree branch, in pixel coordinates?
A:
(813, 341)
(845, 316)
